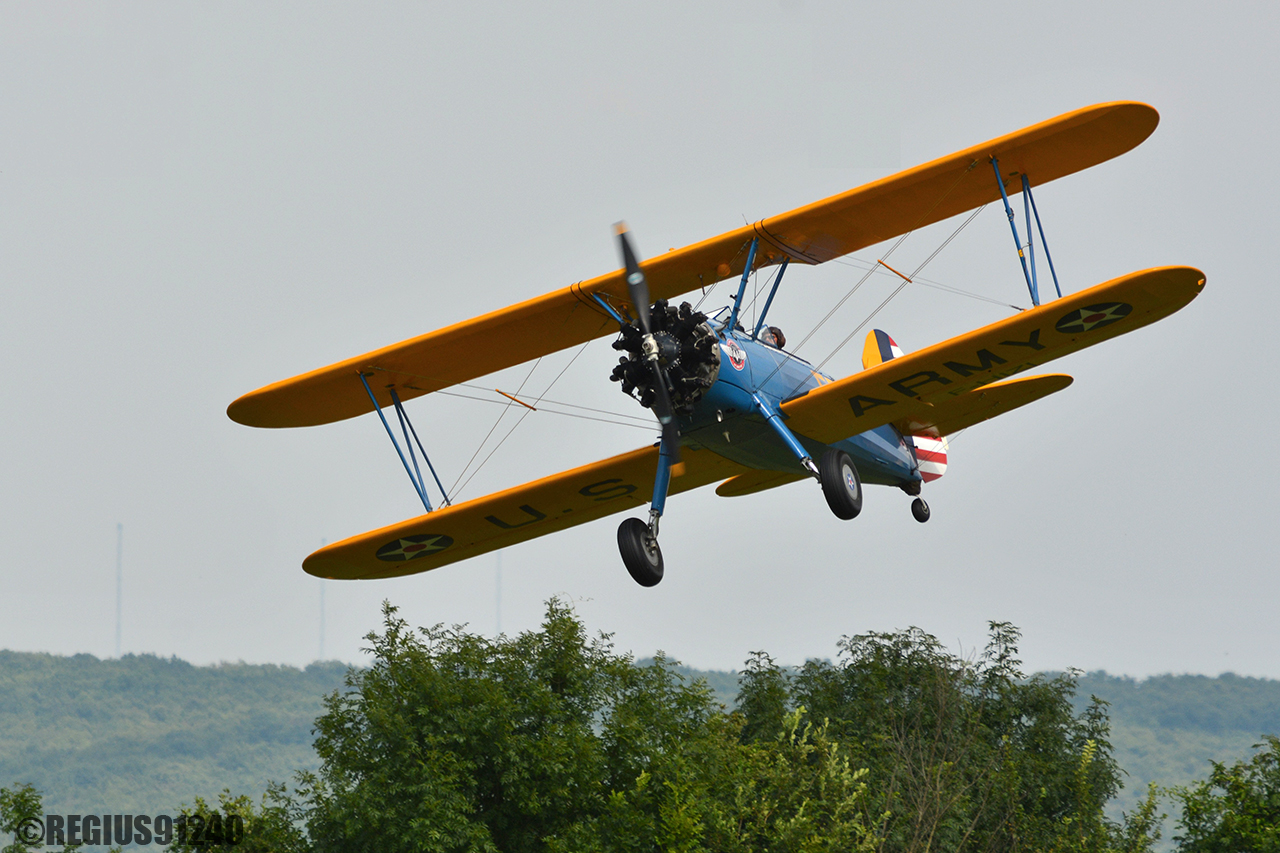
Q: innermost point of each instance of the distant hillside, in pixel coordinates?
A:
(143, 734)
(1167, 728)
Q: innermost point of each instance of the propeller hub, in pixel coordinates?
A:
(649, 348)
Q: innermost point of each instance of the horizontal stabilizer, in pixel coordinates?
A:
(948, 417)
(812, 234)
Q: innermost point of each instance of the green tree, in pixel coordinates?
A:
(763, 697)
(961, 755)
(276, 826)
(552, 742)
(1235, 810)
(21, 806)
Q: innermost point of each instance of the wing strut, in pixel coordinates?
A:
(406, 427)
(1029, 209)
(742, 288)
(1026, 192)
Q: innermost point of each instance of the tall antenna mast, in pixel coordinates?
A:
(119, 580)
(323, 542)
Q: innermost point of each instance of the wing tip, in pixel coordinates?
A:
(252, 411)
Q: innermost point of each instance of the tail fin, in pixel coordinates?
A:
(878, 349)
(931, 448)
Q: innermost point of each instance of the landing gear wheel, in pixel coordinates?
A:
(840, 484)
(920, 510)
(640, 552)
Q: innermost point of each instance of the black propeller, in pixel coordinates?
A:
(638, 288)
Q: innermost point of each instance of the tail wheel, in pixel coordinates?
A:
(920, 510)
(640, 552)
(840, 484)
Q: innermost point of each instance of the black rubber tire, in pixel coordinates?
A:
(920, 510)
(841, 484)
(644, 563)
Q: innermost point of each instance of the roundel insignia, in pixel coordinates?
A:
(1092, 317)
(737, 356)
(413, 547)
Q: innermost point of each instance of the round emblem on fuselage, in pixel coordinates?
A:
(413, 547)
(737, 355)
(1092, 317)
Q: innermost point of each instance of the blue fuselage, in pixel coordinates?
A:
(729, 422)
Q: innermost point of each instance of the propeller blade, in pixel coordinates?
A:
(638, 289)
(637, 286)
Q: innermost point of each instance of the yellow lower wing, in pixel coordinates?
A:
(525, 512)
(906, 388)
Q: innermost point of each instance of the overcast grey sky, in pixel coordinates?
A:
(199, 199)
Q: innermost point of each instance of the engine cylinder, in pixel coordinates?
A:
(687, 354)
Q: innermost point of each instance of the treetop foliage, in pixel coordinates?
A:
(553, 741)
(1237, 808)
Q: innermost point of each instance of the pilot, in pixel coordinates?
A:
(773, 337)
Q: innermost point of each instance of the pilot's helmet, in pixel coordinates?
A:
(774, 337)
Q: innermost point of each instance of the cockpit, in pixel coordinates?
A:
(773, 336)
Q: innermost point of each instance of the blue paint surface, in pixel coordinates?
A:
(727, 420)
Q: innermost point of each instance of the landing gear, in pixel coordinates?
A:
(920, 510)
(840, 484)
(640, 552)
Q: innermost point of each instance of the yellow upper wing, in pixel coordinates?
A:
(811, 234)
(525, 512)
(907, 388)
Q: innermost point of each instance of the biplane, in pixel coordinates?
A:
(733, 405)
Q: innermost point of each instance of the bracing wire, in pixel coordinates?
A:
(899, 288)
(845, 298)
(866, 277)
(474, 387)
(501, 415)
(640, 423)
(523, 415)
(892, 249)
(859, 263)
(646, 421)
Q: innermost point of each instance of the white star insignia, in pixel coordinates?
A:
(414, 546)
